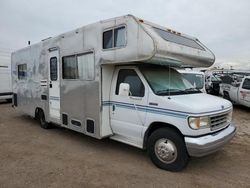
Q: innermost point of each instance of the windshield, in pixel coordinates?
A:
(165, 81)
(197, 80)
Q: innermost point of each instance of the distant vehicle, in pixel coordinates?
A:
(196, 78)
(5, 82)
(212, 84)
(113, 79)
(237, 92)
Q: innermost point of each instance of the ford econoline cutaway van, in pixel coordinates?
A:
(117, 78)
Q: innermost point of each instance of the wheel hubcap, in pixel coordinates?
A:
(165, 150)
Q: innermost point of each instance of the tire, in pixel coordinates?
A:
(167, 149)
(43, 123)
(226, 96)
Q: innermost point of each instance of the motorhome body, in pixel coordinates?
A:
(81, 80)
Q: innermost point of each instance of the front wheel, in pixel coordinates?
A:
(167, 149)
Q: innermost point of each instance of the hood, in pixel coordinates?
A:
(200, 103)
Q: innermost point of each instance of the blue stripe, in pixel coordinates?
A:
(156, 110)
(182, 112)
(145, 109)
(54, 98)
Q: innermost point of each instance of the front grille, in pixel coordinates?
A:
(219, 121)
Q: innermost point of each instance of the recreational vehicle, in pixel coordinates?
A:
(116, 78)
(5, 81)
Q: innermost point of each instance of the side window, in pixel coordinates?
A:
(130, 76)
(108, 39)
(69, 67)
(81, 66)
(53, 68)
(22, 71)
(86, 66)
(246, 84)
(114, 38)
(119, 39)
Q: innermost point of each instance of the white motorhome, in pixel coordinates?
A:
(116, 79)
(196, 78)
(5, 81)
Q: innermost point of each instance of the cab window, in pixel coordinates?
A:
(130, 77)
(246, 84)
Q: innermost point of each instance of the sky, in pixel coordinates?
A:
(222, 25)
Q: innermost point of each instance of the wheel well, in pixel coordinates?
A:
(154, 126)
(37, 111)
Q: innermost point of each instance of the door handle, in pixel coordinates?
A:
(50, 85)
(135, 98)
(113, 107)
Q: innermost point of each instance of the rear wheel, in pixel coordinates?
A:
(43, 123)
(167, 149)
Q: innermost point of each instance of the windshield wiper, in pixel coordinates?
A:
(192, 89)
(177, 91)
(164, 91)
(169, 91)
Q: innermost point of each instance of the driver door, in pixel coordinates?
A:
(127, 112)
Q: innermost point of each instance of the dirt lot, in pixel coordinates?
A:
(33, 157)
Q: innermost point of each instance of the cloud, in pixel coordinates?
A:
(223, 26)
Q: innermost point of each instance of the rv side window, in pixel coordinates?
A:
(178, 39)
(86, 66)
(114, 38)
(53, 68)
(81, 66)
(108, 39)
(130, 76)
(119, 37)
(22, 71)
(69, 67)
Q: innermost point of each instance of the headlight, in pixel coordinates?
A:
(229, 117)
(199, 122)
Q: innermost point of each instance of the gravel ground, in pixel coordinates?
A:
(34, 157)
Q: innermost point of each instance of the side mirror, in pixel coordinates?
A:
(124, 89)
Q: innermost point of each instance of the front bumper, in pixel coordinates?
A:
(204, 145)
